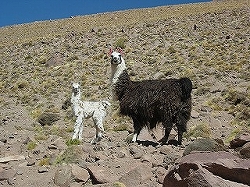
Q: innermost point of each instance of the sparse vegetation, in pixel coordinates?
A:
(31, 145)
(121, 127)
(71, 155)
(71, 142)
(120, 43)
(199, 131)
(44, 162)
(215, 56)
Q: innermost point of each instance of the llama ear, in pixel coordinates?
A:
(120, 50)
(110, 51)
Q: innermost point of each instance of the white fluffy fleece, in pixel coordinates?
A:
(87, 109)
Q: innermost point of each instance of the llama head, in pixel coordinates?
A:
(75, 88)
(116, 56)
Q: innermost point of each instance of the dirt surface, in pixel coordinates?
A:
(209, 43)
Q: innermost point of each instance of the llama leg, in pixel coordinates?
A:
(180, 133)
(137, 129)
(168, 128)
(77, 127)
(181, 125)
(81, 131)
(152, 125)
(99, 128)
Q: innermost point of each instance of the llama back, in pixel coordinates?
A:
(150, 96)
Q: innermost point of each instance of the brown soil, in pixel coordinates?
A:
(208, 42)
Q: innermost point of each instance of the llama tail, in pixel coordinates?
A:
(186, 87)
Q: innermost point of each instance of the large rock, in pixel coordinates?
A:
(59, 143)
(204, 144)
(11, 158)
(240, 140)
(63, 176)
(209, 169)
(245, 150)
(48, 118)
(136, 176)
(100, 175)
(7, 174)
(80, 174)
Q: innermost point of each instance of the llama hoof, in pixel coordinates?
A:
(163, 141)
(158, 146)
(173, 142)
(95, 140)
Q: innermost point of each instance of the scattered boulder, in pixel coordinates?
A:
(160, 174)
(4, 140)
(79, 174)
(48, 118)
(209, 169)
(100, 175)
(59, 143)
(7, 174)
(31, 161)
(195, 114)
(240, 140)
(169, 160)
(245, 150)
(55, 60)
(204, 144)
(63, 176)
(11, 158)
(136, 152)
(165, 149)
(136, 176)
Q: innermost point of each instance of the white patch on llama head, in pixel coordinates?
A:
(117, 65)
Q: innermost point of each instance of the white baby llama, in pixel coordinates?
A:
(86, 109)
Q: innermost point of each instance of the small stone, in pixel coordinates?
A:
(52, 147)
(121, 154)
(195, 114)
(42, 169)
(30, 162)
(27, 140)
(11, 136)
(3, 140)
(146, 158)
(165, 149)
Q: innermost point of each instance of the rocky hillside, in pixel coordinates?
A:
(207, 42)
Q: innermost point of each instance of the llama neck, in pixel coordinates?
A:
(119, 80)
(116, 71)
(75, 98)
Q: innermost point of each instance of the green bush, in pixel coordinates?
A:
(120, 43)
(71, 142)
(201, 130)
(31, 145)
